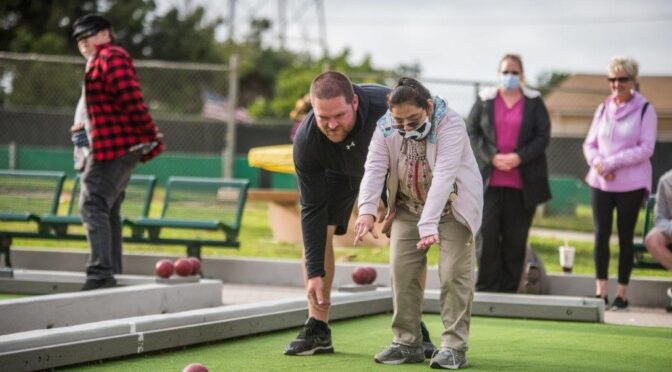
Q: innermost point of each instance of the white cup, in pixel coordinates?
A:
(567, 258)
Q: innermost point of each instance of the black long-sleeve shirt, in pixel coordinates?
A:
(315, 156)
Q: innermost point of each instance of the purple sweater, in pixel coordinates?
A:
(623, 141)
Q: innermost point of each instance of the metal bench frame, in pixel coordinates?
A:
(642, 260)
(153, 226)
(59, 223)
(55, 226)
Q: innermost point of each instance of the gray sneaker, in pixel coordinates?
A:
(398, 354)
(448, 358)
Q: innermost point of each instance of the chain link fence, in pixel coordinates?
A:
(38, 95)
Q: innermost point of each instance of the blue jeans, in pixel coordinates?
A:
(102, 192)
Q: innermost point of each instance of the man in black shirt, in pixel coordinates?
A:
(330, 150)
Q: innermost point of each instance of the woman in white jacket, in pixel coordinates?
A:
(435, 196)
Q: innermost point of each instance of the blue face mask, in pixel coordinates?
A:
(418, 133)
(509, 81)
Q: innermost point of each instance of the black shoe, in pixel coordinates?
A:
(619, 304)
(92, 284)
(314, 338)
(606, 299)
(427, 345)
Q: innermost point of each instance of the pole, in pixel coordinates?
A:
(322, 24)
(11, 149)
(232, 19)
(230, 143)
(282, 23)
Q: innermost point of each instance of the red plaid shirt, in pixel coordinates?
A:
(119, 117)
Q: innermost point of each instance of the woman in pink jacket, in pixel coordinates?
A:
(618, 149)
(435, 196)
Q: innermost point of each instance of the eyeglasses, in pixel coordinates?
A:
(510, 73)
(621, 80)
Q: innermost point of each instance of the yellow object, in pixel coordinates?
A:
(276, 158)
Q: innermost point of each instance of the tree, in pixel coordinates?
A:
(549, 80)
(293, 82)
(40, 26)
(182, 37)
(46, 27)
(270, 79)
(259, 66)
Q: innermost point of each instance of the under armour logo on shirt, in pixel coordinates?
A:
(351, 145)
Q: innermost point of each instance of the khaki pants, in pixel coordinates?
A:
(456, 275)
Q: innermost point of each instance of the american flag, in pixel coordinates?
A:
(216, 107)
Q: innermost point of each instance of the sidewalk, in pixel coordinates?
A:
(568, 235)
(244, 293)
(640, 316)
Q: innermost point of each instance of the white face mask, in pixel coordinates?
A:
(418, 133)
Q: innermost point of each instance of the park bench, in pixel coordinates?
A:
(137, 200)
(643, 260)
(210, 204)
(26, 196)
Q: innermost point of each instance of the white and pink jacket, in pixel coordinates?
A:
(451, 159)
(622, 137)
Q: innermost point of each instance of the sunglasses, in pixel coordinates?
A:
(510, 73)
(411, 126)
(623, 79)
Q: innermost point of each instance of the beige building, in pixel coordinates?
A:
(573, 104)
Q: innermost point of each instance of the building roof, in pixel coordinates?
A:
(580, 94)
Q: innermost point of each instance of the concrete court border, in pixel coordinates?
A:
(146, 334)
(67, 309)
(125, 337)
(643, 291)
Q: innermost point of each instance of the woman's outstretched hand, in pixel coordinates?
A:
(427, 242)
(363, 226)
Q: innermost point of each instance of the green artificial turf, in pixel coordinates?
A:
(495, 345)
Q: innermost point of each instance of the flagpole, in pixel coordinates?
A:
(230, 144)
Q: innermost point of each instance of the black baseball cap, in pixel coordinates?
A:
(89, 25)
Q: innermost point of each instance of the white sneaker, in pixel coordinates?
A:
(448, 358)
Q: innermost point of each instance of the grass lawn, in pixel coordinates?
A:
(495, 345)
(257, 242)
(581, 220)
(11, 296)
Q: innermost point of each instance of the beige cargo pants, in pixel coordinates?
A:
(456, 275)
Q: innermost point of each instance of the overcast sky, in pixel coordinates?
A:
(462, 39)
(465, 39)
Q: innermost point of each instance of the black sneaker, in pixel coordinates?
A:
(314, 338)
(606, 299)
(427, 345)
(92, 284)
(619, 304)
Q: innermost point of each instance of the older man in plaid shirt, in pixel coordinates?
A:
(118, 132)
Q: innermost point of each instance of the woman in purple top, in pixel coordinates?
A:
(509, 129)
(618, 149)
